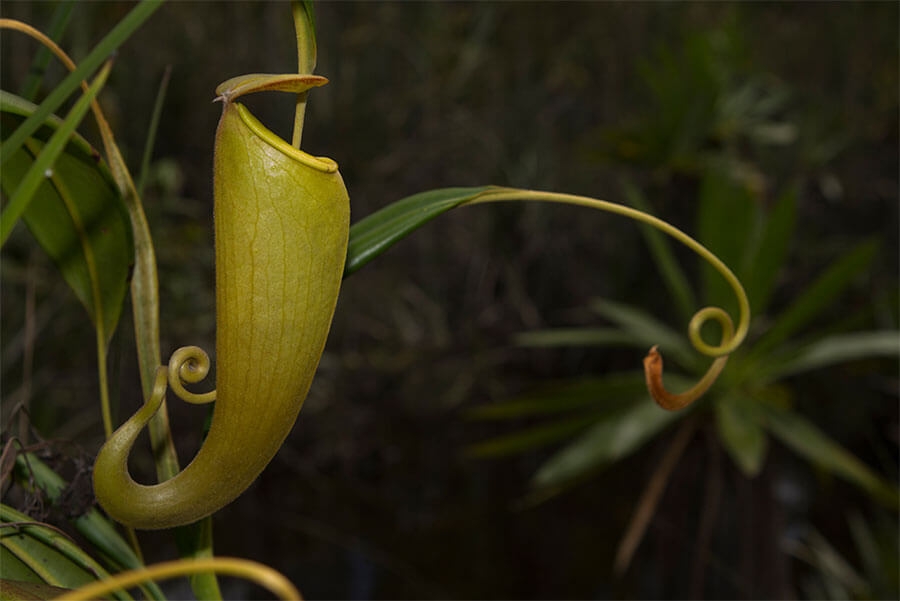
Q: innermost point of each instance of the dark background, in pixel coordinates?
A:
(372, 496)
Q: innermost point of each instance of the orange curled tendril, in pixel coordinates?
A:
(653, 368)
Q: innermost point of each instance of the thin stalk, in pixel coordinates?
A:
(304, 26)
(731, 338)
(151, 131)
(646, 506)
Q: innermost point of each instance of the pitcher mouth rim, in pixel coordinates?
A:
(323, 164)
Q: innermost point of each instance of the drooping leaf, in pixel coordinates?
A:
(741, 433)
(76, 215)
(818, 448)
(817, 297)
(377, 232)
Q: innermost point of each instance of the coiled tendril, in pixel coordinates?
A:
(189, 364)
(653, 363)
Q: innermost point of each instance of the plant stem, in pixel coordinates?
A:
(730, 339)
(729, 344)
(261, 574)
(305, 28)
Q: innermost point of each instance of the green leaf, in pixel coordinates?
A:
(18, 590)
(840, 349)
(766, 261)
(725, 218)
(741, 433)
(92, 525)
(817, 297)
(816, 447)
(85, 68)
(28, 184)
(51, 555)
(377, 232)
(608, 441)
(609, 393)
(14, 568)
(77, 216)
(672, 274)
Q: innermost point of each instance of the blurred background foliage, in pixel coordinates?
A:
(729, 111)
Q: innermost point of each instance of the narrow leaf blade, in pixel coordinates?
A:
(379, 231)
(818, 448)
(772, 249)
(817, 296)
(742, 434)
(842, 348)
(726, 215)
(608, 441)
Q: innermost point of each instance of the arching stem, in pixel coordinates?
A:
(731, 338)
(305, 27)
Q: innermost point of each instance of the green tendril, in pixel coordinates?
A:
(261, 574)
(189, 364)
(731, 338)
